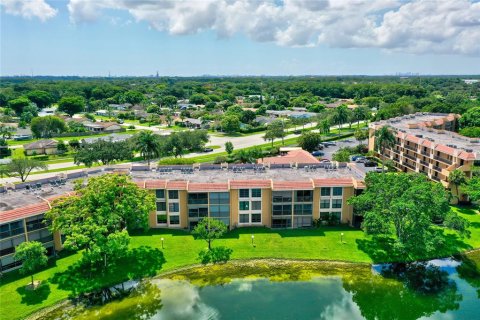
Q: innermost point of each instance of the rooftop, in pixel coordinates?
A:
(206, 178)
(293, 156)
(418, 128)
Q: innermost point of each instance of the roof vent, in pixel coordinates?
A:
(419, 136)
(469, 150)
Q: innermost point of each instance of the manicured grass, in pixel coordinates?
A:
(181, 249)
(16, 143)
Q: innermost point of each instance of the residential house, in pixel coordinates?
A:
(107, 127)
(46, 146)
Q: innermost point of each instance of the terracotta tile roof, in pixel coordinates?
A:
(439, 122)
(177, 185)
(155, 184)
(140, 184)
(412, 138)
(467, 155)
(427, 143)
(27, 211)
(329, 182)
(195, 187)
(445, 149)
(239, 184)
(298, 156)
(292, 185)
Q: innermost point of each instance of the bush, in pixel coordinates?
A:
(220, 159)
(472, 132)
(131, 127)
(41, 157)
(215, 255)
(174, 161)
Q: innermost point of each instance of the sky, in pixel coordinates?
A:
(238, 37)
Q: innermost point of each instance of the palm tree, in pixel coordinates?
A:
(457, 178)
(148, 144)
(384, 138)
(360, 113)
(341, 115)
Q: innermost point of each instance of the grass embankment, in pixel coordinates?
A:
(181, 249)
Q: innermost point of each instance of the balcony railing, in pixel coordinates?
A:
(426, 153)
(435, 178)
(442, 159)
(411, 148)
(437, 168)
(410, 157)
(424, 172)
(409, 165)
(425, 163)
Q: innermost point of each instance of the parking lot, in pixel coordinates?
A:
(329, 151)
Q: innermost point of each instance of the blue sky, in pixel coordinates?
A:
(78, 38)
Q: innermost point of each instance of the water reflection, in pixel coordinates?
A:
(402, 292)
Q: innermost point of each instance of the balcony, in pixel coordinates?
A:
(426, 153)
(411, 148)
(410, 157)
(424, 172)
(425, 163)
(409, 166)
(442, 159)
(437, 168)
(435, 178)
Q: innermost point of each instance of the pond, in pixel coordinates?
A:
(439, 289)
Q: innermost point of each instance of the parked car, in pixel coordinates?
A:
(329, 143)
(320, 146)
(378, 169)
(317, 153)
(370, 164)
(360, 159)
(297, 131)
(324, 160)
(207, 150)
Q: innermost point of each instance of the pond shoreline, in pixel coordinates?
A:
(329, 267)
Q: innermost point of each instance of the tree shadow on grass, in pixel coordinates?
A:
(381, 249)
(82, 277)
(37, 296)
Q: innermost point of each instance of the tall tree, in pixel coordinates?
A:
(33, 256)
(148, 144)
(23, 166)
(309, 141)
(229, 147)
(209, 229)
(100, 215)
(71, 105)
(276, 130)
(6, 131)
(41, 98)
(324, 126)
(104, 151)
(230, 123)
(457, 178)
(360, 135)
(341, 115)
(18, 104)
(384, 139)
(407, 208)
(472, 189)
(45, 127)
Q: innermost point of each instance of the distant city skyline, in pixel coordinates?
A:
(239, 37)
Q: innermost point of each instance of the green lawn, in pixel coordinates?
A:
(181, 249)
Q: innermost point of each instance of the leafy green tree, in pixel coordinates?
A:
(229, 147)
(275, 130)
(472, 189)
(18, 104)
(406, 207)
(341, 115)
(471, 118)
(71, 105)
(4, 150)
(148, 144)
(45, 127)
(62, 147)
(41, 98)
(360, 114)
(169, 101)
(74, 144)
(33, 255)
(230, 123)
(384, 139)
(371, 102)
(198, 98)
(103, 151)
(472, 132)
(248, 116)
(29, 112)
(99, 216)
(456, 179)
(6, 131)
(360, 135)
(324, 126)
(341, 155)
(22, 167)
(309, 141)
(209, 229)
(133, 97)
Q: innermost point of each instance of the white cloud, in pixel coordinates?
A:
(29, 8)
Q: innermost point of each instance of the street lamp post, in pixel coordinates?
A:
(162, 242)
(341, 237)
(253, 237)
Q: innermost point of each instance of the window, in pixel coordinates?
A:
(161, 218)
(324, 204)
(282, 210)
(11, 229)
(244, 205)
(303, 195)
(324, 191)
(336, 203)
(282, 196)
(220, 211)
(256, 218)
(173, 207)
(302, 222)
(162, 206)
(172, 194)
(337, 191)
(336, 216)
(174, 219)
(160, 194)
(256, 193)
(244, 193)
(281, 223)
(198, 212)
(244, 218)
(302, 209)
(198, 198)
(256, 205)
(219, 198)
(35, 223)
